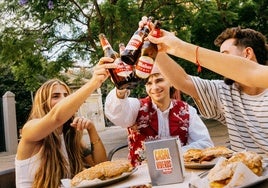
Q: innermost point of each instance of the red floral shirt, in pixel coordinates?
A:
(146, 127)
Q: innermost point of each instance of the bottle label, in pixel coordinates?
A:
(123, 70)
(105, 46)
(144, 67)
(134, 42)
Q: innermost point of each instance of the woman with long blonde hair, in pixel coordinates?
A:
(51, 146)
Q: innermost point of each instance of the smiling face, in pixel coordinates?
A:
(158, 88)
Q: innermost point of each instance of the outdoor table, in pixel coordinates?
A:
(141, 176)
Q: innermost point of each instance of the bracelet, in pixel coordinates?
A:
(199, 68)
(97, 141)
(94, 143)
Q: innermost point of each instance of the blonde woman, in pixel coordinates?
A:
(51, 145)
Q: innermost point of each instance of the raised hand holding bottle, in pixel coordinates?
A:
(133, 48)
(148, 54)
(121, 77)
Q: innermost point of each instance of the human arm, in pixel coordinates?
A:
(198, 133)
(98, 152)
(37, 129)
(175, 74)
(235, 67)
(121, 111)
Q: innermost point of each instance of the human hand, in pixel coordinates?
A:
(146, 21)
(100, 71)
(81, 123)
(121, 94)
(168, 42)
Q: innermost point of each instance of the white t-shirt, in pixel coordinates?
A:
(26, 169)
(246, 116)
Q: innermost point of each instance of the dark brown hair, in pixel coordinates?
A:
(246, 38)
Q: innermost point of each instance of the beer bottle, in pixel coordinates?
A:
(148, 54)
(133, 48)
(121, 77)
(123, 69)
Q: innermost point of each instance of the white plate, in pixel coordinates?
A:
(99, 183)
(202, 165)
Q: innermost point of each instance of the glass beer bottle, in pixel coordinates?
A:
(121, 77)
(124, 69)
(133, 48)
(148, 54)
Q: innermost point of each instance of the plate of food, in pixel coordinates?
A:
(205, 158)
(243, 169)
(100, 175)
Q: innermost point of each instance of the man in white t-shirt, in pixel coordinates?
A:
(243, 109)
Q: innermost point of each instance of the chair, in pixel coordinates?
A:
(115, 149)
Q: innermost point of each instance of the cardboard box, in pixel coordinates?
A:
(165, 162)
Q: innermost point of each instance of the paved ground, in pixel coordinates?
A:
(114, 136)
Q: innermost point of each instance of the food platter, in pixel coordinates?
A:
(98, 183)
(202, 165)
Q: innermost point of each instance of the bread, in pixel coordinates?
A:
(192, 155)
(103, 171)
(251, 159)
(207, 154)
(222, 173)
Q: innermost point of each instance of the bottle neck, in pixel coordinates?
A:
(105, 44)
(156, 31)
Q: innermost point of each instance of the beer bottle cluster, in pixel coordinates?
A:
(136, 59)
(122, 76)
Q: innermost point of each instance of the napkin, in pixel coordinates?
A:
(242, 176)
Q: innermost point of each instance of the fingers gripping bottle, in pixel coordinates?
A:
(121, 78)
(133, 48)
(148, 54)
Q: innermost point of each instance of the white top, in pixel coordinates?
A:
(26, 169)
(124, 112)
(245, 116)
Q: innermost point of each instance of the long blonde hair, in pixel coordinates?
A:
(53, 165)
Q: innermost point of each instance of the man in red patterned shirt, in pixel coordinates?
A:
(155, 116)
